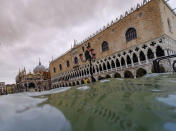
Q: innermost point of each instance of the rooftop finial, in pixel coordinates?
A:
(39, 62)
(75, 43)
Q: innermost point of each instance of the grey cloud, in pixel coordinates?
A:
(33, 29)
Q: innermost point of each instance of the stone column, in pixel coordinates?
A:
(139, 60)
(155, 54)
(132, 63)
(147, 60)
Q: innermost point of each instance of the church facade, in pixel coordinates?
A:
(124, 48)
(39, 80)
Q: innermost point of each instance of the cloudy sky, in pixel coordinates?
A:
(33, 29)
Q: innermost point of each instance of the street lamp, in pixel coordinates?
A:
(90, 56)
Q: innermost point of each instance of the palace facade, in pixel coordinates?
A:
(39, 80)
(124, 48)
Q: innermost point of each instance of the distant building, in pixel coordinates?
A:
(124, 48)
(39, 80)
(10, 88)
(2, 88)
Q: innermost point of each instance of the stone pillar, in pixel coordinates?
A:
(134, 73)
(132, 63)
(139, 60)
(147, 60)
(122, 74)
(155, 55)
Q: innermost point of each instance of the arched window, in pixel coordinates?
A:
(76, 60)
(131, 34)
(105, 46)
(68, 63)
(60, 67)
(54, 70)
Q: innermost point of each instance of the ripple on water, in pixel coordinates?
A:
(54, 91)
(152, 75)
(103, 81)
(170, 100)
(83, 88)
(173, 81)
(170, 126)
(119, 79)
(155, 90)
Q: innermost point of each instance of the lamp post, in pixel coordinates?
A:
(89, 56)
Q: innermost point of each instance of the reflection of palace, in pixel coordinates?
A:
(38, 81)
(124, 48)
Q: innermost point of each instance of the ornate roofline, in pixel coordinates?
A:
(122, 16)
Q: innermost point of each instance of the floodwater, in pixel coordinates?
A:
(145, 104)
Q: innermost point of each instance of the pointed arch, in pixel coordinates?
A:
(108, 65)
(97, 68)
(100, 67)
(122, 61)
(87, 71)
(135, 58)
(128, 60)
(117, 63)
(142, 56)
(159, 51)
(150, 54)
(104, 66)
(93, 69)
(112, 64)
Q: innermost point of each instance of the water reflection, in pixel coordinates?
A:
(146, 104)
(21, 113)
(119, 105)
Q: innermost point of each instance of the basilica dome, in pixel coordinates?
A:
(40, 68)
